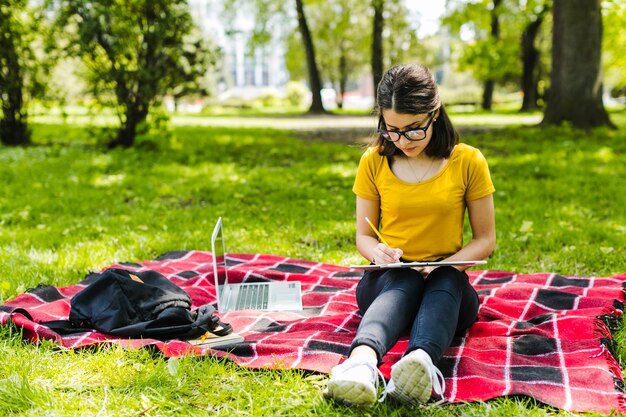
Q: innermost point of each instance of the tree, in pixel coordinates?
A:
(346, 41)
(575, 93)
(492, 53)
(343, 30)
(396, 46)
(377, 43)
(134, 50)
(340, 29)
(21, 71)
(531, 58)
(495, 35)
(614, 46)
(314, 75)
(271, 18)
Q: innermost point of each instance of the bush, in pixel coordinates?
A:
(296, 93)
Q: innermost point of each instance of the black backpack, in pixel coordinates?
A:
(138, 304)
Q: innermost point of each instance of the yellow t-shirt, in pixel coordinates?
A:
(425, 219)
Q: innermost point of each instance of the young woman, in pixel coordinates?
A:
(415, 185)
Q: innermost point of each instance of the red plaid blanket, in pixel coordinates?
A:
(542, 335)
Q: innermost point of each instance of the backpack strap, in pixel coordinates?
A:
(206, 314)
(62, 327)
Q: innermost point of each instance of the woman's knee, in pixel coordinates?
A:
(446, 278)
(400, 283)
(404, 279)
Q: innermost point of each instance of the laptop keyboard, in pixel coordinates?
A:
(253, 297)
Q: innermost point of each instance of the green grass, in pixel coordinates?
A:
(68, 207)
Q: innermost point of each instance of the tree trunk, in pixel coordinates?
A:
(489, 85)
(13, 126)
(14, 129)
(530, 64)
(575, 94)
(314, 76)
(343, 77)
(377, 44)
(488, 88)
(135, 111)
(135, 115)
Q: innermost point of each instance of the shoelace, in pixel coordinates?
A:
(439, 383)
(380, 376)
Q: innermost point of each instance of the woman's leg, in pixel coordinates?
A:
(389, 301)
(449, 305)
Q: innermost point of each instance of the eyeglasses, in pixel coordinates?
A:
(414, 135)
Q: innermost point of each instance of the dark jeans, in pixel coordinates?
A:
(394, 300)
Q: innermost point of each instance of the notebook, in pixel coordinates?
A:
(417, 264)
(217, 342)
(275, 296)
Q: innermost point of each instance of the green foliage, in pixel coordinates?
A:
(342, 35)
(296, 93)
(492, 59)
(272, 19)
(197, 69)
(23, 67)
(136, 51)
(295, 59)
(68, 208)
(400, 42)
(486, 57)
(614, 45)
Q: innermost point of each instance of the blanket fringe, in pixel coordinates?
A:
(608, 323)
(601, 328)
(621, 403)
(618, 311)
(614, 367)
(605, 325)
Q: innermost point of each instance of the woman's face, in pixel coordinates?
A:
(402, 122)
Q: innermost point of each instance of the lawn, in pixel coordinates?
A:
(69, 207)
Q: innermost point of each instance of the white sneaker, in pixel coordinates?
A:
(414, 378)
(354, 382)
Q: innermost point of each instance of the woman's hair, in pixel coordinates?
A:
(411, 89)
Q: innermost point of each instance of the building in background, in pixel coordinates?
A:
(246, 72)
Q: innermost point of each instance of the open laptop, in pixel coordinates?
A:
(276, 296)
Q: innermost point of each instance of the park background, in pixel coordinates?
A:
(128, 127)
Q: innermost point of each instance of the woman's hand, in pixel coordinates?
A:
(383, 254)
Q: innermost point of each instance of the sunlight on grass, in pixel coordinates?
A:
(492, 120)
(341, 170)
(69, 207)
(278, 120)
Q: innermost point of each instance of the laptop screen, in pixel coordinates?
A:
(218, 249)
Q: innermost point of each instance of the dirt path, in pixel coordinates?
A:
(350, 129)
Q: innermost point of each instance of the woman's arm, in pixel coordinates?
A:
(366, 240)
(482, 221)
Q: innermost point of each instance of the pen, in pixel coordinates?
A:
(376, 231)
